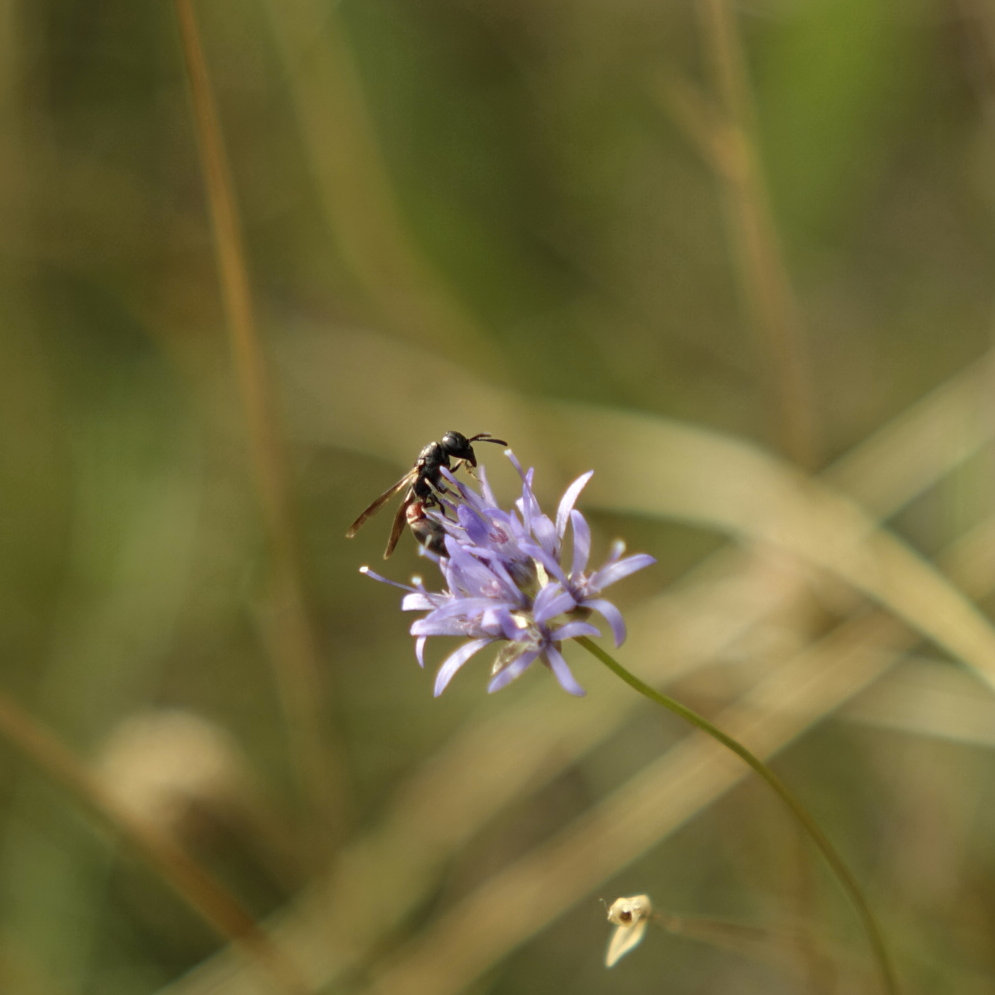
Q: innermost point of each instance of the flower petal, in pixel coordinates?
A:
(485, 487)
(453, 663)
(385, 580)
(418, 602)
(546, 535)
(551, 601)
(510, 671)
(568, 500)
(613, 572)
(574, 630)
(562, 672)
(581, 544)
(611, 615)
(430, 626)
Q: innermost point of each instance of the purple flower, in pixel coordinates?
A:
(507, 582)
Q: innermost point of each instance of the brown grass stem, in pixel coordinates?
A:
(727, 140)
(294, 651)
(182, 873)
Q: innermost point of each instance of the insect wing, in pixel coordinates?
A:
(406, 481)
(400, 519)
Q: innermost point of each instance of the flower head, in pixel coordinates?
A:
(507, 582)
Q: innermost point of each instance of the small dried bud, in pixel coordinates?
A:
(630, 916)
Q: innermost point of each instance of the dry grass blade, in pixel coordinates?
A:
(763, 276)
(928, 699)
(698, 476)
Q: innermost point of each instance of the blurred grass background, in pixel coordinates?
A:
(737, 259)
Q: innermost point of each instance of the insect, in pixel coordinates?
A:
(426, 531)
(423, 482)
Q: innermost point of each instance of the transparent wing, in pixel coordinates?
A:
(400, 519)
(406, 481)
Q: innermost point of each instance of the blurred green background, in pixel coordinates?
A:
(714, 252)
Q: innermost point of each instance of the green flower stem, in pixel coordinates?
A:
(807, 822)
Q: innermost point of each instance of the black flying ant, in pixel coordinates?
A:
(424, 482)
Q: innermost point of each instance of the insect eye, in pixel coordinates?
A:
(455, 443)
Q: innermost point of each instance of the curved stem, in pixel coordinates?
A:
(801, 814)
